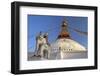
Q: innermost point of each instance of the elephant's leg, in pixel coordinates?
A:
(41, 53)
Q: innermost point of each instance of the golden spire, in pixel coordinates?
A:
(64, 30)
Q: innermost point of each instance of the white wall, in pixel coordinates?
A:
(5, 39)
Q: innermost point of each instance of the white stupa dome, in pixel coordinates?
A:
(67, 45)
(64, 45)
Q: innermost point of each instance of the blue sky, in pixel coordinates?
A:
(37, 23)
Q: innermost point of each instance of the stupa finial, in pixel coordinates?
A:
(64, 29)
